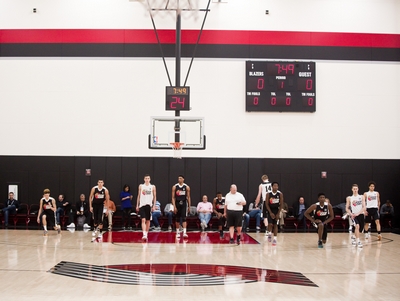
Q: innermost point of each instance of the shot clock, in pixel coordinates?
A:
(278, 86)
(177, 99)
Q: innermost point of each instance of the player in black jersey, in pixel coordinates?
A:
(181, 203)
(322, 214)
(274, 203)
(47, 212)
(219, 206)
(98, 199)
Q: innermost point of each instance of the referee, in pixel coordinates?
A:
(233, 211)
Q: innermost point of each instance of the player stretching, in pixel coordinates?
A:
(323, 214)
(355, 207)
(373, 203)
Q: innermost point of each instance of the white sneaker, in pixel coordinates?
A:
(178, 234)
(185, 235)
(94, 233)
(367, 235)
(169, 228)
(86, 226)
(353, 242)
(359, 245)
(100, 235)
(71, 225)
(144, 238)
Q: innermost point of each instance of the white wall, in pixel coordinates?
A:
(102, 107)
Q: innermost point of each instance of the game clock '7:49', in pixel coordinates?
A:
(280, 86)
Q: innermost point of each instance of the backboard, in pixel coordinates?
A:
(165, 130)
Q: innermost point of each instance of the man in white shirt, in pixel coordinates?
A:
(234, 202)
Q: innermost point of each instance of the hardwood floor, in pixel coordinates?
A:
(69, 266)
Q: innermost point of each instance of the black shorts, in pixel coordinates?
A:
(145, 211)
(181, 210)
(234, 218)
(98, 210)
(372, 214)
(359, 220)
(274, 211)
(50, 218)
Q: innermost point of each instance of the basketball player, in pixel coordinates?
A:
(181, 203)
(145, 203)
(373, 203)
(274, 203)
(264, 188)
(98, 197)
(47, 212)
(322, 215)
(219, 207)
(233, 211)
(355, 207)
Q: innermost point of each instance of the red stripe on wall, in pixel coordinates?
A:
(218, 37)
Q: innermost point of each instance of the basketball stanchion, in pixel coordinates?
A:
(177, 148)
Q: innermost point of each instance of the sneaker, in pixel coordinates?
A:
(266, 233)
(45, 233)
(353, 237)
(221, 235)
(169, 228)
(367, 235)
(350, 230)
(320, 245)
(58, 229)
(100, 235)
(353, 242)
(94, 233)
(185, 235)
(157, 229)
(269, 237)
(231, 241)
(71, 225)
(144, 238)
(274, 242)
(379, 236)
(258, 229)
(86, 226)
(202, 226)
(133, 213)
(129, 228)
(359, 245)
(178, 234)
(109, 229)
(152, 228)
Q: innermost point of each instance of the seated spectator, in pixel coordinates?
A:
(204, 210)
(387, 213)
(81, 210)
(254, 211)
(109, 209)
(282, 216)
(169, 213)
(62, 206)
(126, 204)
(218, 206)
(155, 215)
(299, 207)
(10, 207)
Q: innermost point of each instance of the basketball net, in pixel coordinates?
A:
(177, 148)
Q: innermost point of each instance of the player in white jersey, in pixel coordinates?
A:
(355, 207)
(146, 202)
(373, 203)
(264, 188)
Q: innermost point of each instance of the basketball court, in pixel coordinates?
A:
(202, 267)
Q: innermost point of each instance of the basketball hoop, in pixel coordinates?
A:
(177, 148)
